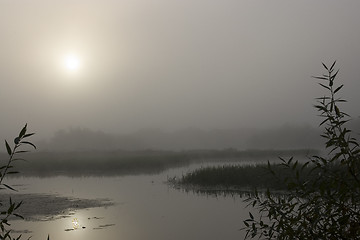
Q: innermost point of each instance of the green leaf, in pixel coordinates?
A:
(18, 205)
(304, 166)
(9, 187)
(325, 66)
(321, 108)
(324, 86)
(338, 88)
(11, 209)
(357, 151)
(7, 234)
(337, 111)
(19, 216)
(294, 165)
(322, 78)
(323, 98)
(22, 151)
(8, 147)
(23, 131)
(323, 123)
(331, 106)
(25, 142)
(19, 159)
(332, 66)
(28, 135)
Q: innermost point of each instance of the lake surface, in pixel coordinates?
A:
(145, 207)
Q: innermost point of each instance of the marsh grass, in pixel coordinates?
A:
(239, 178)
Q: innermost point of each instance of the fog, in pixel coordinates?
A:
(286, 137)
(197, 68)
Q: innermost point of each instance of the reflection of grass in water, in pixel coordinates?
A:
(136, 162)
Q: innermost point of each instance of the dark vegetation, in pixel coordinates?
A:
(238, 177)
(283, 137)
(320, 197)
(327, 207)
(11, 209)
(107, 163)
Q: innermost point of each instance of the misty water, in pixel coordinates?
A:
(145, 207)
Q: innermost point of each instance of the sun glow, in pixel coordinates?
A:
(75, 223)
(72, 63)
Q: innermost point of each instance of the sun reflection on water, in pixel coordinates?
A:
(75, 223)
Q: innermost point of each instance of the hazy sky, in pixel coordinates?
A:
(171, 64)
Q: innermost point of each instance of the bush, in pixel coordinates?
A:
(12, 207)
(325, 207)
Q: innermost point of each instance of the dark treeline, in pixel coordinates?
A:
(136, 162)
(285, 137)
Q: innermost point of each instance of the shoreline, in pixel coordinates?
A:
(47, 207)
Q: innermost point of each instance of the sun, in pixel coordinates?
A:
(72, 62)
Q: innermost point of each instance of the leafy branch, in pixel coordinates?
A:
(6, 169)
(322, 199)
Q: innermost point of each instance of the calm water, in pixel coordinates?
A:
(145, 208)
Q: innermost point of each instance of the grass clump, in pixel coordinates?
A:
(242, 177)
(234, 176)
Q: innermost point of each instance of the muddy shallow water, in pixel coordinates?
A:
(46, 207)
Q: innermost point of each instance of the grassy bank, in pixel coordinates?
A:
(235, 178)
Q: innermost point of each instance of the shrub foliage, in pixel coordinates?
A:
(324, 207)
(11, 209)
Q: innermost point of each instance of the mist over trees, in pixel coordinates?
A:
(82, 139)
(285, 137)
